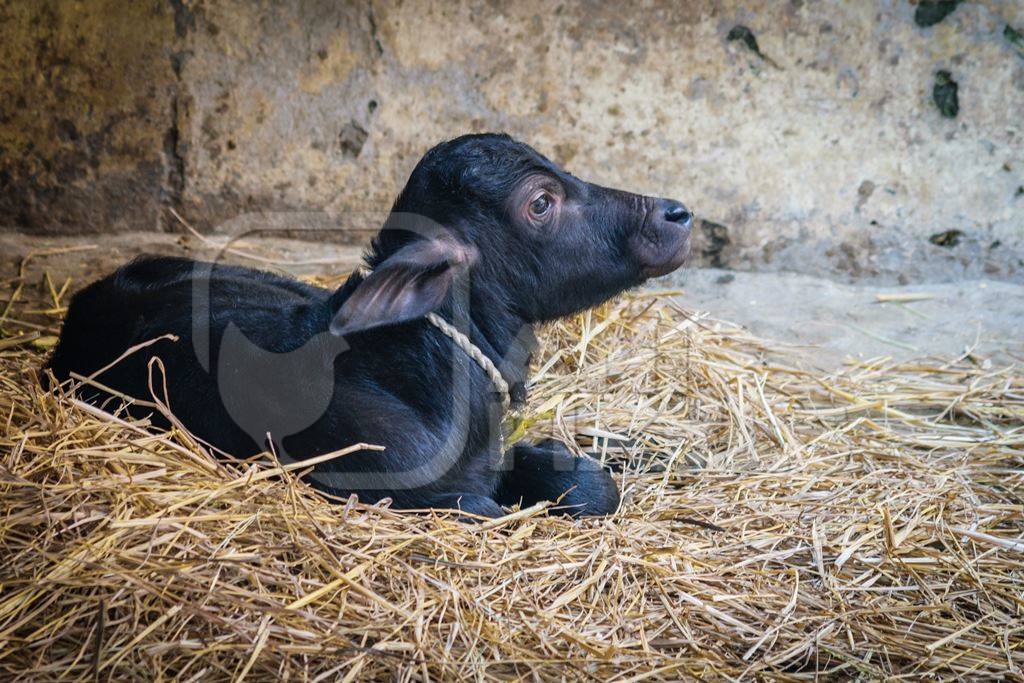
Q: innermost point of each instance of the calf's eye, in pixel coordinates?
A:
(540, 205)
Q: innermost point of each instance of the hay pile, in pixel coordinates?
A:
(776, 522)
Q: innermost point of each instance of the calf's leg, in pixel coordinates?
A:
(549, 471)
(470, 503)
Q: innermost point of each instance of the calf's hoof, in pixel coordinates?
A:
(594, 492)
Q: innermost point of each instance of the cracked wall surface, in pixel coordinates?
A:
(807, 135)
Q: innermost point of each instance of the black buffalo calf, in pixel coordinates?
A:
(488, 236)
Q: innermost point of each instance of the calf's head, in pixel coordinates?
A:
(535, 239)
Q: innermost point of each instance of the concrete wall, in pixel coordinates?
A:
(86, 98)
(825, 153)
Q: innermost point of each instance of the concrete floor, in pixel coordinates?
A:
(832, 321)
(838, 321)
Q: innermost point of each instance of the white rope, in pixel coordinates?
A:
(471, 349)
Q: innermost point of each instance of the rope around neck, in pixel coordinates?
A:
(474, 352)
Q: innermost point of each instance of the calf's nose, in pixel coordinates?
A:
(675, 212)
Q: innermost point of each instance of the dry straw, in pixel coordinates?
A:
(775, 523)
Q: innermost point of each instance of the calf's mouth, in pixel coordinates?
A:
(662, 243)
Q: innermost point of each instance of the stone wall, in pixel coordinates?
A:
(805, 134)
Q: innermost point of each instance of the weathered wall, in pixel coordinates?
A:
(86, 96)
(828, 155)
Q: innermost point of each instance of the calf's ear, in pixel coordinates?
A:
(405, 286)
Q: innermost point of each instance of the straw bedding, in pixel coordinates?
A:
(776, 523)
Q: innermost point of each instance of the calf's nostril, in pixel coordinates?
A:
(677, 213)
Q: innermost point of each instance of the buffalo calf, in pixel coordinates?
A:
(487, 235)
